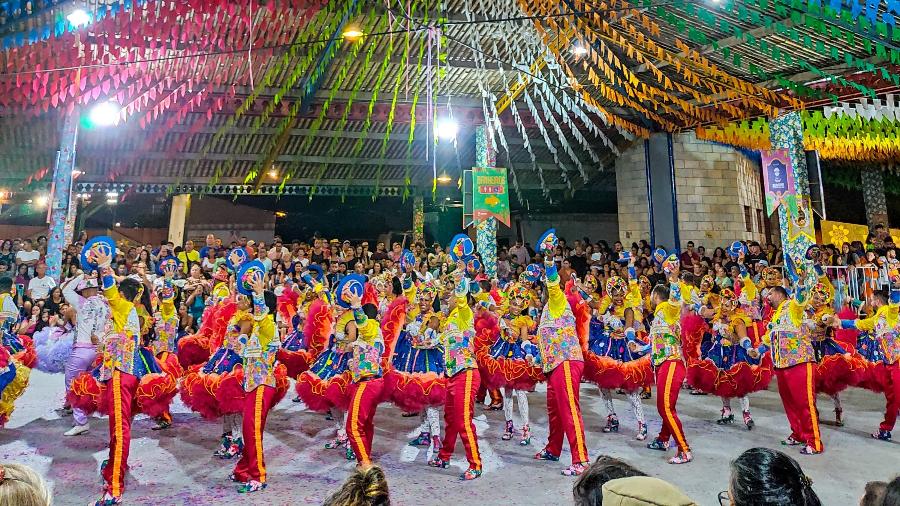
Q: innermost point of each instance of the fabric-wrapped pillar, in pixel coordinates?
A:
(418, 219)
(181, 207)
(62, 219)
(486, 230)
(795, 224)
(873, 196)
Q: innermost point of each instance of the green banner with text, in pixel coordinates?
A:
(490, 194)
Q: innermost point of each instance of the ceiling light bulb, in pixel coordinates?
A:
(105, 114)
(447, 129)
(79, 17)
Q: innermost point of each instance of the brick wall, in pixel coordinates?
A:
(714, 184)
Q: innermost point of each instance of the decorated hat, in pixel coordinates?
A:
(461, 246)
(426, 292)
(241, 255)
(533, 272)
(166, 291)
(670, 264)
(171, 262)
(616, 286)
(736, 248)
(247, 272)
(102, 244)
(727, 295)
(221, 273)
(707, 282)
(624, 257)
(659, 256)
(354, 283)
(407, 260)
(590, 282)
(548, 241)
(823, 290)
(473, 265)
(86, 283)
(520, 293)
(316, 272)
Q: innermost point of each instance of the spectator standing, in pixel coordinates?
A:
(380, 253)
(188, 257)
(28, 256)
(689, 257)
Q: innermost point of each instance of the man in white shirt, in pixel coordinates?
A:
(519, 253)
(92, 316)
(40, 285)
(28, 256)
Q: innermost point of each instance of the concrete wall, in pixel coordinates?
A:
(569, 226)
(227, 220)
(714, 183)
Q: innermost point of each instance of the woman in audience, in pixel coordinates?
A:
(762, 477)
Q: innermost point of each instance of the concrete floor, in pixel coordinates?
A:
(176, 467)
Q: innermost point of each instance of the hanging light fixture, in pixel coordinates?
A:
(446, 129)
(443, 177)
(352, 34)
(79, 17)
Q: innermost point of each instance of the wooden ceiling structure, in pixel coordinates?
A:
(251, 96)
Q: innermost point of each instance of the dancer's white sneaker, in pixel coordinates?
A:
(78, 430)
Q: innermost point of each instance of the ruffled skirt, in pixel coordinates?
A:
(729, 371)
(324, 385)
(217, 388)
(610, 364)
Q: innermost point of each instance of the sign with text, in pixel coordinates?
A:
(490, 194)
(778, 178)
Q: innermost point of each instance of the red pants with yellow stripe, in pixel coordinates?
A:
(458, 411)
(669, 377)
(121, 394)
(364, 399)
(797, 388)
(892, 396)
(564, 410)
(252, 465)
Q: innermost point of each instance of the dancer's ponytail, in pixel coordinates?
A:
(365, 487)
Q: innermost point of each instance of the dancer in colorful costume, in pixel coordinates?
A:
(92, 315)
(21, 347)
(794, 359)
(463, 378)
(165, 322)
(129, 377)
(512, 361)
(311, 326)
(563, 362)
(367, 387)
(264, 381)
(13, 374)
(196, 349)
(416, 380)
(881, 338)
(609, 361)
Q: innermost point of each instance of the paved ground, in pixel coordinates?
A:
(176, 467)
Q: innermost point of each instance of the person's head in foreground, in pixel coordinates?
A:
(643, 491)
(874, 495)
(21, 486)
(761, 477)
(588, 489)
(892, 493)
(365, 487)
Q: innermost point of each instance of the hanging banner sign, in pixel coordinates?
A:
(778, 178)
(490, 194)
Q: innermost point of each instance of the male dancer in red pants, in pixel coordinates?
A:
(563, 365)
(795, 367)
(884, 327)
(458, 338)
(366, 385)
(259, 351)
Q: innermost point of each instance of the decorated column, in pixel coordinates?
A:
(181, 206)
(418, 219)
(873, 196)
(61, 223)
(795, 217)
(486, 230)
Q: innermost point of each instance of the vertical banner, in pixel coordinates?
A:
(418, 219)
(778, 177)
(490, 194)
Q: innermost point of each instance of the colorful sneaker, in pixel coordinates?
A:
(161, 425)
(349, 455)
(226, 444)
(839, 417)
(338, 442)
(656, 444)
(748, 420)
(681, 458)
(642, 432)
(509, 432)
(470, 474)
(612, 424)
(250, 487)
(727, 417)
(526, 436)
(883, 435)
(575, 469)
(436, 443)
(438, 462)
(697, 392)
(236, 448)
(545, 455)
(790, 441)
(108, 500)
(809, 450)
(423, 439)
